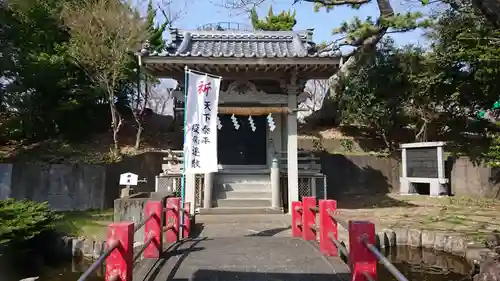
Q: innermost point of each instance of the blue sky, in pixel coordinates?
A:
(201, 12)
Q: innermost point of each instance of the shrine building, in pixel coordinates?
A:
(263, 76)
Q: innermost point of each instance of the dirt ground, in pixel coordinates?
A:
(471, 217)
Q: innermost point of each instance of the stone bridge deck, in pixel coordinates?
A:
(236, 248)
(251, 258)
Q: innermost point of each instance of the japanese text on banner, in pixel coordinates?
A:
(200, 146)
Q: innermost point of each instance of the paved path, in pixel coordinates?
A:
(237, 248)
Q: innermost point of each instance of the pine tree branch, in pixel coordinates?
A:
(358, 58)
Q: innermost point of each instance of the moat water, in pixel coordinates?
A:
(415, 264)
(425, 265)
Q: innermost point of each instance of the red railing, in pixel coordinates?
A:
(362, 255)
(161, 217)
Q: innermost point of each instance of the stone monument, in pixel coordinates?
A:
(423, 162)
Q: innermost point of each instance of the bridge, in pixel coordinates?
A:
(313, 251)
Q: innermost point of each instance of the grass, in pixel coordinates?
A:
(89, 224)
(473, 218)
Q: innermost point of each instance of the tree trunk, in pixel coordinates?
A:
(138, 135)
(116, 123)
(139, 112)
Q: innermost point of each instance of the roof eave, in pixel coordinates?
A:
(241, 60)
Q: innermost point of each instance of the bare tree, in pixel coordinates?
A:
(138, 105)
(316, 90)
(104, 33)
(172, 10)
(160, 99)
(149, 85)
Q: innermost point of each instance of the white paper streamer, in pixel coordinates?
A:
(235, 122)
(270, 122)
(219, 123)
(252, 124)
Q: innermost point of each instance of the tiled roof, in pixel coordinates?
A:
(242, 44)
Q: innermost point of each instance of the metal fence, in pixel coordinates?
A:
(199, 190)
(309, 185)
(173, 182)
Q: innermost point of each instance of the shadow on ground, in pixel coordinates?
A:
(357, 181)
(175, 251)
(270, 232)
(371, 201)
(218, 275)
(197, 230)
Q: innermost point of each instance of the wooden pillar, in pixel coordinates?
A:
(292, 155)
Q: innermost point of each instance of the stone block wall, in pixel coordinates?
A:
(81, 186)
(468, 179)
(364, 174)
(131, 208)
(64, 187)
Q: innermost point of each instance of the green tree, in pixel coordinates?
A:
(283, 21)
(156, 41)
(23, 220)
(490, 9)
(466, 54)
(41, 86)
(386, 95)
(434, 93)
(103, 48)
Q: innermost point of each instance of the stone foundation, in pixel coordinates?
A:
(440, 241)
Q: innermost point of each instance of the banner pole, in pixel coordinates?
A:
(184, 165)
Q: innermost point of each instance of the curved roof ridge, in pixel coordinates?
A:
(178, 33)
(235, 43)
(298, 45)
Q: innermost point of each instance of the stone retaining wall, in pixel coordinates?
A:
(438, 241)
(89, 248)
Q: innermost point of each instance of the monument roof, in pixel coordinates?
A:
(242, 44)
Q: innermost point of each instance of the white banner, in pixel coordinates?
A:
(200, 146)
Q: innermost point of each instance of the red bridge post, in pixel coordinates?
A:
(153, 229)
(308, 218)
(119, 262)
(361, 259)
(297, 226)
(328, 225)
(172, 219)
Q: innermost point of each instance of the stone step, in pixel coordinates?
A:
(243, 178)
(245, 193)
(239, 211)
(250, 186)
(236, 203)
(244, 171)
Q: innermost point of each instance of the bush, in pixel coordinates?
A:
(21, 220)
